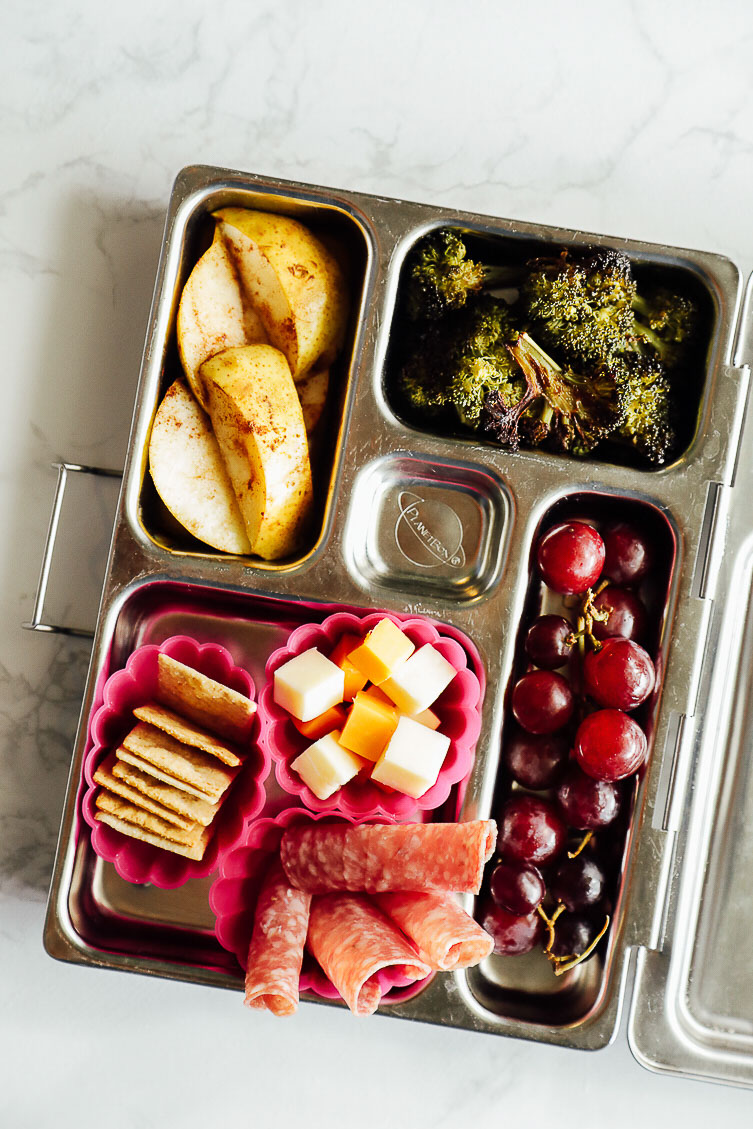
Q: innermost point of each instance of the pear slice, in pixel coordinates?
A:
(212, 314)
(190, 476)
(258, 421)
(293, 282)
(312, 392)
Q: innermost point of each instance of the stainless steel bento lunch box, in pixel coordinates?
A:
(444, 526)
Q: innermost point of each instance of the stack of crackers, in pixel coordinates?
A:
(166, 782)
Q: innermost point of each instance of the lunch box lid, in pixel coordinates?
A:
(691, 1011)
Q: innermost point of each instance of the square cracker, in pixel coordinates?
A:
(182, 730)
(126, 757)
(140, 817)
(179, 761)
(194, 851)
(119, 787)
(202, 700)
(170, 796)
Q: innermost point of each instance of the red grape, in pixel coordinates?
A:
(588, 804)
(536, 760)
(513, 934)
(629, 555)
(542, 701)
(620, 674)
(547, 641)
(517, 886)
(530, 830)
(627, 614)
(609, 745)
(570, 557)
(578, 883)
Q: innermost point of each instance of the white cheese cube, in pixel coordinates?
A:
(325, 766)
(412, 759)
(308, 685)
(419, 681)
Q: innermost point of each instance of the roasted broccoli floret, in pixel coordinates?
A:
(481, 362)
(562, 409)
(441, 276)
(455, 362)
(576, 284)
(586, 305)
(579, 304)
(647, 397)
(665, 322)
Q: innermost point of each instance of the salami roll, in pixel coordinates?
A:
(444, 934)
(352, 939)
(320, 858)
(275, 954)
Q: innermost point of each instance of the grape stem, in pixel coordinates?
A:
(583, 843)
(564, 964)
(585, 622)
(549, 922)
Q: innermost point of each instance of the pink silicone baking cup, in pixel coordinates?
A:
(140, 862)
(458, 709)
(233, 895)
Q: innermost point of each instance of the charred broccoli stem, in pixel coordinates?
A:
(574, 411)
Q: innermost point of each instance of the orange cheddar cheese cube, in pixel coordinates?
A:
(382, 652)
(354, 680)
(426, 717)
(333, 718)
(369, 726)
(379, 696)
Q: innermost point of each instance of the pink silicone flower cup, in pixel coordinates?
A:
(458, 709)
(233, 895)
(140, 862)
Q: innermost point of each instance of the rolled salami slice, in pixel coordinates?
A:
(444, 934)
(352, 939)
(380, 857)
(275, 954)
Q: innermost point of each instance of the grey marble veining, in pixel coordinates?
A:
(38, 715)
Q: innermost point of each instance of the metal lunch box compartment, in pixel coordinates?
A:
(191, 235)
(512, 249)
(444, 525)
(439, 526)
(580, 993)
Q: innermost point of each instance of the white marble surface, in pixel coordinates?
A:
(625, 118)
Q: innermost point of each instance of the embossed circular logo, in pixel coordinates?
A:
(428, 532)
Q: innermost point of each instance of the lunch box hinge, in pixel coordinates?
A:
(38, 621)
(709, 542)
(673, 779)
